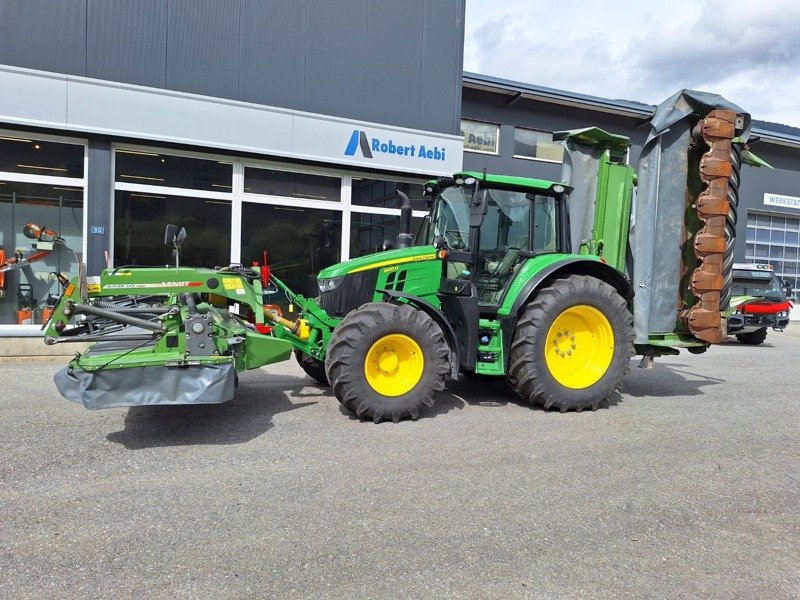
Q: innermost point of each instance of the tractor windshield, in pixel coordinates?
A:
(451, 217)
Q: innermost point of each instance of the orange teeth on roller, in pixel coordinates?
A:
(704, 319)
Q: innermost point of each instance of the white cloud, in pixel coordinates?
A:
(748, 52)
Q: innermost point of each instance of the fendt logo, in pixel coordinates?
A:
(359, 140)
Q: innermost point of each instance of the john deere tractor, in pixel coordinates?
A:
(552, 285)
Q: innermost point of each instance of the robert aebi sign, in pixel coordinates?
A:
(370, 146)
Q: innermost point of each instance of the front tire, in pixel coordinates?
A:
(572, 345)
(313, 368)
(754, 338)
(387, 361)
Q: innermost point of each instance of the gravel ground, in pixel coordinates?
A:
(687, 488)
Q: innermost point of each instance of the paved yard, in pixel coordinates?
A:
(688, 488)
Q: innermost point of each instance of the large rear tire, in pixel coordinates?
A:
(754, 338)
(572, 345)
(387, 361)
(314, 368)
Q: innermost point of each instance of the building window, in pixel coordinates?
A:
(480, 137)
(168, 170)
(378, 222)
(28, 294)
(778, 244)
(140, 219)
(382, 193)
(529, 143)
(39, 157)
(272, 182)
(300, 242)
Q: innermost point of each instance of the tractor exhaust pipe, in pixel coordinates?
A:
(404, 238)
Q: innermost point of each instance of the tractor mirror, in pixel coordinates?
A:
(169, 234)
(181, 237)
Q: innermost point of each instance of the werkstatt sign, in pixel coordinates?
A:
(782, 201)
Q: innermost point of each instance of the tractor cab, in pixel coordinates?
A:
(488, 225)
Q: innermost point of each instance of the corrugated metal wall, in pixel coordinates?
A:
(396, 63)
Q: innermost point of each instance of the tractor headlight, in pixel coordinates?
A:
(328, 285)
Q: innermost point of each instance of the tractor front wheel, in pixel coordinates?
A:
(387, 361)
(572, 345)
(314, 368)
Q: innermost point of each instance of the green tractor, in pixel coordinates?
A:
(552, 286)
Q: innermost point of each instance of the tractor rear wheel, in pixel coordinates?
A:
(314, 368)
(387, 361)
(754, 338)
(572, 345)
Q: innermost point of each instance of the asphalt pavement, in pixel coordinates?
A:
(687, 488)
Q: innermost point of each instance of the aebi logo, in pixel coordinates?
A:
(368, 146)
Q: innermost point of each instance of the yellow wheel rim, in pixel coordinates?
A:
(394, 365)
(579, 347)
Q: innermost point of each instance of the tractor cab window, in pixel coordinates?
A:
(506, 232)
(451, 217)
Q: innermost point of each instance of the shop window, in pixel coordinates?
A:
(152, 168)
(29, 293)
(751, 219)
(140, 220)
(792, 224)
(750, 250)
(529, 143)
(300, 242)
(37, 157)
(381, 193)
(751, 234)
(775, 252)
(480, 137)
(762, 235)
(762, 251)
(370, 232)
(792, 237)
(779, 222)
(292, 185)
(790, 252)
(776, 236)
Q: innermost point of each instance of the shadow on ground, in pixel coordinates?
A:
(238, 421)
(663, 381)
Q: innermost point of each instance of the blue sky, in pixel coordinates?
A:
(747, 51)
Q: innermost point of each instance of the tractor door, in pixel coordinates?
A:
(516, 224)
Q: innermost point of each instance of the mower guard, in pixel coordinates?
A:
(148, 386)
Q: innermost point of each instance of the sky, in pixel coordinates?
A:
(747, 51)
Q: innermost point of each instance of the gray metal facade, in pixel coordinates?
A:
(371, 60)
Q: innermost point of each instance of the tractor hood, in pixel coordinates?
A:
(377, 261)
